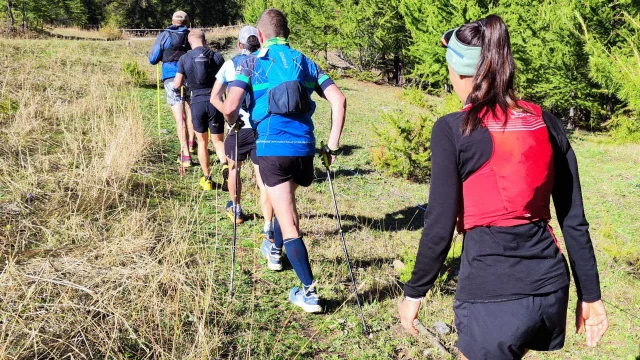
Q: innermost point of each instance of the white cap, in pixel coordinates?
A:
(245, 32)
(180, 16)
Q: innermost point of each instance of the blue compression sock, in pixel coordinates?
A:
(299, 259)
(277, 234)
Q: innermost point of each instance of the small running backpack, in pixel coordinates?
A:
(179, 45)
(287, 93)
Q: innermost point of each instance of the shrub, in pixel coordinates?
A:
(450, 103)
(134, 73)
(110, 32)
(624, 129)
(414, 96)
(334, 74)
(404, 146)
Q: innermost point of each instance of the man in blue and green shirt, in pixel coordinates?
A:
(280, 81)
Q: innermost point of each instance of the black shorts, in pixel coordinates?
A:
(505, 329)
(276, 170)
(205, 116)
(246, 145)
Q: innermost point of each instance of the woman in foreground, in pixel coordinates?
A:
(495, 166)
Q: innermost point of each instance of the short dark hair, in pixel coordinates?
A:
(253, 44)
(272, 23)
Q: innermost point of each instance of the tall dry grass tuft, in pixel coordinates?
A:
(223, 32)
(89, 268)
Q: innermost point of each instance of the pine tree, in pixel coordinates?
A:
(614, 63)
(427, 20)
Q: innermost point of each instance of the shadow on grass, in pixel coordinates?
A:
(347, 150)
(379, 294)
(394, 289)
(409, 218)
(321, 173)
(154, 86)
(376, 293)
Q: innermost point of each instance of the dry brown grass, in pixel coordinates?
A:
(107, 32)
(89, 268)
(223, 32)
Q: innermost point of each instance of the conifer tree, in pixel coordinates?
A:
(427, 20)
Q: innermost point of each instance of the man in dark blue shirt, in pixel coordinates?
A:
(170, 45)
(199, 68)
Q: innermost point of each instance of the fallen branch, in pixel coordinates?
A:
(432, 338)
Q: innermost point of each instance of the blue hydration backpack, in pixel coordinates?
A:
(287, 93)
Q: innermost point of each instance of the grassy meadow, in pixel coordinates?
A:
(107, 253)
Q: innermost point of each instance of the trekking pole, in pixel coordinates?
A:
(235, 212)
(158, 92)
(184, 128)
(325, 160)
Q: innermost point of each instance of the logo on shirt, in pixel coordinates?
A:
(284, 61)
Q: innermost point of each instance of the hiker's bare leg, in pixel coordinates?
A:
(265, 205)
(283, 199)
(218, 146)
(182, 131)
(203, 152)
(190, 132)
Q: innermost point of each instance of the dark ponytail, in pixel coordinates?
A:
(493, 81)
(252, 44)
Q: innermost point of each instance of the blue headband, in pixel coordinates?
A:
(463, 59)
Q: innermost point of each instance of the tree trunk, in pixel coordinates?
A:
(13, 20)
(396, 69)
(24, 17)
(570, 122)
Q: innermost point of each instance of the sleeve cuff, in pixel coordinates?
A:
(411, 292)
(239, 83)
(590, 297)
(326, 83)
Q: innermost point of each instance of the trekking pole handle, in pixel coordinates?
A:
(325, 153)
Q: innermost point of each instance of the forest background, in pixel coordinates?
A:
(578, 58)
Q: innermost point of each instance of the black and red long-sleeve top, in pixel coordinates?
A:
(495, 184)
